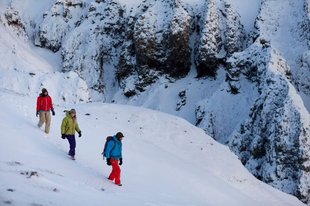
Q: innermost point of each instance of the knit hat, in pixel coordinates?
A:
(44, 90)
(72, 111)
(119, 135)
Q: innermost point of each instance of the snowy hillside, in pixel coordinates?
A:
(239, 70)
(167, 161)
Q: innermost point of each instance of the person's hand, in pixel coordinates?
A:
(109, 161)
(53, 112)
(80, 133)
(63, 136)
(120, 161)
(37, 114)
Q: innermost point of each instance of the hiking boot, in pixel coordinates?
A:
(119, 184)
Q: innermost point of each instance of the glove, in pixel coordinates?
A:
(120, 161)
(80, 133)
(37, 114)
(109, 161)
(53, 112)
(63, 136)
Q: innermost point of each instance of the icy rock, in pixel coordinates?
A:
(273, 142)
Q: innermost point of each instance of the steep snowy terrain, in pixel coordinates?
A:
(167, 161)
(238, 70)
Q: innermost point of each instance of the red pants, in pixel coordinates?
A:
(116, 172)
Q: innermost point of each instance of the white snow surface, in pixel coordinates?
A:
(167, 161)
(248, 11)
(29, 57)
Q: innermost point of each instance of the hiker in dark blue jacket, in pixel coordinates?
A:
(113, 153)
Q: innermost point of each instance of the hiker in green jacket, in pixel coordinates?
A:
(68, 127)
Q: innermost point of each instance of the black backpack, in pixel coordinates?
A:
(108, 139)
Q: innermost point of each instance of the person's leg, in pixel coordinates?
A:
(72, 143)
(112, 174)
(47, 122)
(41, 118)
(116, 172)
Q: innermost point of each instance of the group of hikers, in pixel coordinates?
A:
(112, 149)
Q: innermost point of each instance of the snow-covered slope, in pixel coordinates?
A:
(251, 59)
(286, 26)
(167, 161)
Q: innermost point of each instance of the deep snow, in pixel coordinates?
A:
(167, 161)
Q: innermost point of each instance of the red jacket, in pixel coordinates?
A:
(44, 103)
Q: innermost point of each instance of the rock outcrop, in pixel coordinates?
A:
(220, 34)
(273, 143)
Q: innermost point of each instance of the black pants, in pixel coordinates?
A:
(72, 143)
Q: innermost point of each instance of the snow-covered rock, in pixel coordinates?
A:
(303, 75)
(161, 37)
(274, 141)
(63, 16)
(234, 32)
(286, 27)
(92, 44)
(10, 17)
(221, 33)
(211, 41)
(25, 71)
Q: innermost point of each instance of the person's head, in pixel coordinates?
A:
(119, 135)
(44, 92)
(72, 113)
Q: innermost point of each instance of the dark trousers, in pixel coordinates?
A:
(72, 143)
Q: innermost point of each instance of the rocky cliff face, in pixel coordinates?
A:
(221, 34)
(274, 141)
(303, 74)
(257, 88)
(58, 22)
(157, 38)
(158, 41)
(161, 37)
(12, 19)
(87, 34)
(94, 42)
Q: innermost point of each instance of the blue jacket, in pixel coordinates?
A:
(114, 149)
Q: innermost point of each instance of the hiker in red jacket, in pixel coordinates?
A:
(44, 106)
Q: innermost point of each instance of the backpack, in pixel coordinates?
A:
(108, 139)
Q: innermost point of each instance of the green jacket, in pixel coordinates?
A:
(69, 125)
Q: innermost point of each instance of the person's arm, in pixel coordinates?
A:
(64, 125)
(51, 104)
(77, 128)
(38, 105)
(121, 151)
